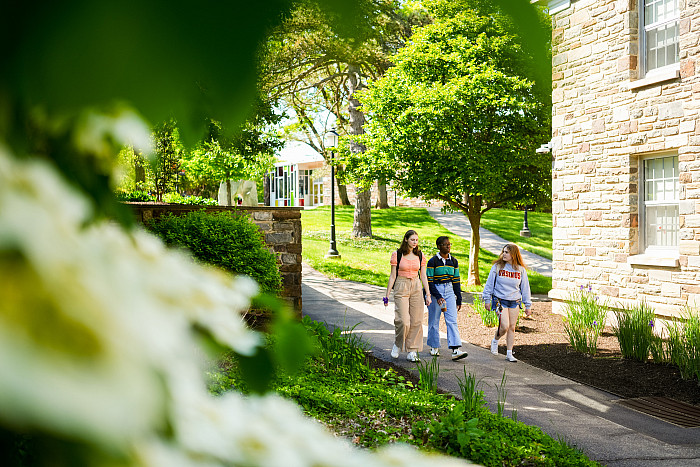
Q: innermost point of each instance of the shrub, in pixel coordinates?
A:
(223, 239)
(635, 331)
(135, 196)
(684, 344)
(176, 198)
(584, 321)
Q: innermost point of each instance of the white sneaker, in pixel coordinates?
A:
(434, 352)
(511, 358)
(458, 354)
(494, 347)
(395, 351)
(412, 357)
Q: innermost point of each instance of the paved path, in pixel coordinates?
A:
(577, 414)
(458, 224)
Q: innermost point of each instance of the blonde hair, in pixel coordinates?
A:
(514, 254)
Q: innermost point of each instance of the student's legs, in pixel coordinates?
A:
(509, 317)
(401, 316)
(416, 309)
(453, 338)
(434, 324)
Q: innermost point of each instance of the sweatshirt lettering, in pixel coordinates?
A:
(511, 274)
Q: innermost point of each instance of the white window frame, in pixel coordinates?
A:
(644, 66)
(644, 204)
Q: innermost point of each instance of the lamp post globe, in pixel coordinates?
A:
(331, 142)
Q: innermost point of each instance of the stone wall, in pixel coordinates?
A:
(282, 234)
(605, 119)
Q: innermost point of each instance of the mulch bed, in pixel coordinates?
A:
(542, 342)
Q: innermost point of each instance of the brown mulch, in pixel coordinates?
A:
(542, 342)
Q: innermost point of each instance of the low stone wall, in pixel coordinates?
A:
(281, 228)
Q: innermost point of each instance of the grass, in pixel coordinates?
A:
(367, 260)
(507, 224)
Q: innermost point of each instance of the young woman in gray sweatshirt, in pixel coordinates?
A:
(506, 289)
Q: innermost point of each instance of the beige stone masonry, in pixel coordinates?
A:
(606, 118)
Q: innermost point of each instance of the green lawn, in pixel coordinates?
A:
(367, 260)
(507, 224)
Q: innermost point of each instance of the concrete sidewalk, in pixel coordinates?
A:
(580, 415)
(458, 224)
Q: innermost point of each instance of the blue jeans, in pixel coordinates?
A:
(504, 303)
(434, 311)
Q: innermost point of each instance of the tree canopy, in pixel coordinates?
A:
(459, 117)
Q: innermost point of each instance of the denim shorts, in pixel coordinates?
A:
(504, 303)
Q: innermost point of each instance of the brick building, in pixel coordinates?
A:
(626, 147)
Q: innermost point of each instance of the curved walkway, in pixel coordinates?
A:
(458, 224)
(586, 417)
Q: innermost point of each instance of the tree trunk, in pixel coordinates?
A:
(473, 213)
(342, 193)
(362, 220)
(228, 192)
(382, 199)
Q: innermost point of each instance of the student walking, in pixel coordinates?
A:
(408, 279)
(443, 279)
(507, 287)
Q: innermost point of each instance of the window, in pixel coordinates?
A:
(659, 28)
(660, 208)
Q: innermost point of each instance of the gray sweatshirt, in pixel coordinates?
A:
(512, 284)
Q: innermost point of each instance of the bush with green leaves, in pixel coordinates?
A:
(229, 241)
(584, 320)
(635, 331)
(138, 196)
(176, 198)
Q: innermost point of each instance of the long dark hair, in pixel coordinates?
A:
(404, 244)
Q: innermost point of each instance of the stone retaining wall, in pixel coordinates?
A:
(282, 233)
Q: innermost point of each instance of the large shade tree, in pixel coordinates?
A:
(314, 69)
(458, 119)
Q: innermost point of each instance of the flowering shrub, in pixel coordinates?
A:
(99, 346)
(584, 320)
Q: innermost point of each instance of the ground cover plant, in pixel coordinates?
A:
(372, 405)
(367, 260)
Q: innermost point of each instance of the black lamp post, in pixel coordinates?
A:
(331, 141)
(525, 232)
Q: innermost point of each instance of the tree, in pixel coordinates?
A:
(247, 155)
(309, 64)
(459, 117)
(168, 152)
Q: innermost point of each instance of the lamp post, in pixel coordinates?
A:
(525, 232)
(331, 141)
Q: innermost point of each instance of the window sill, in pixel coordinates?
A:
(668, 260)
(656, 78)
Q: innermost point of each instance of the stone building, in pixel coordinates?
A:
(626, 147)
